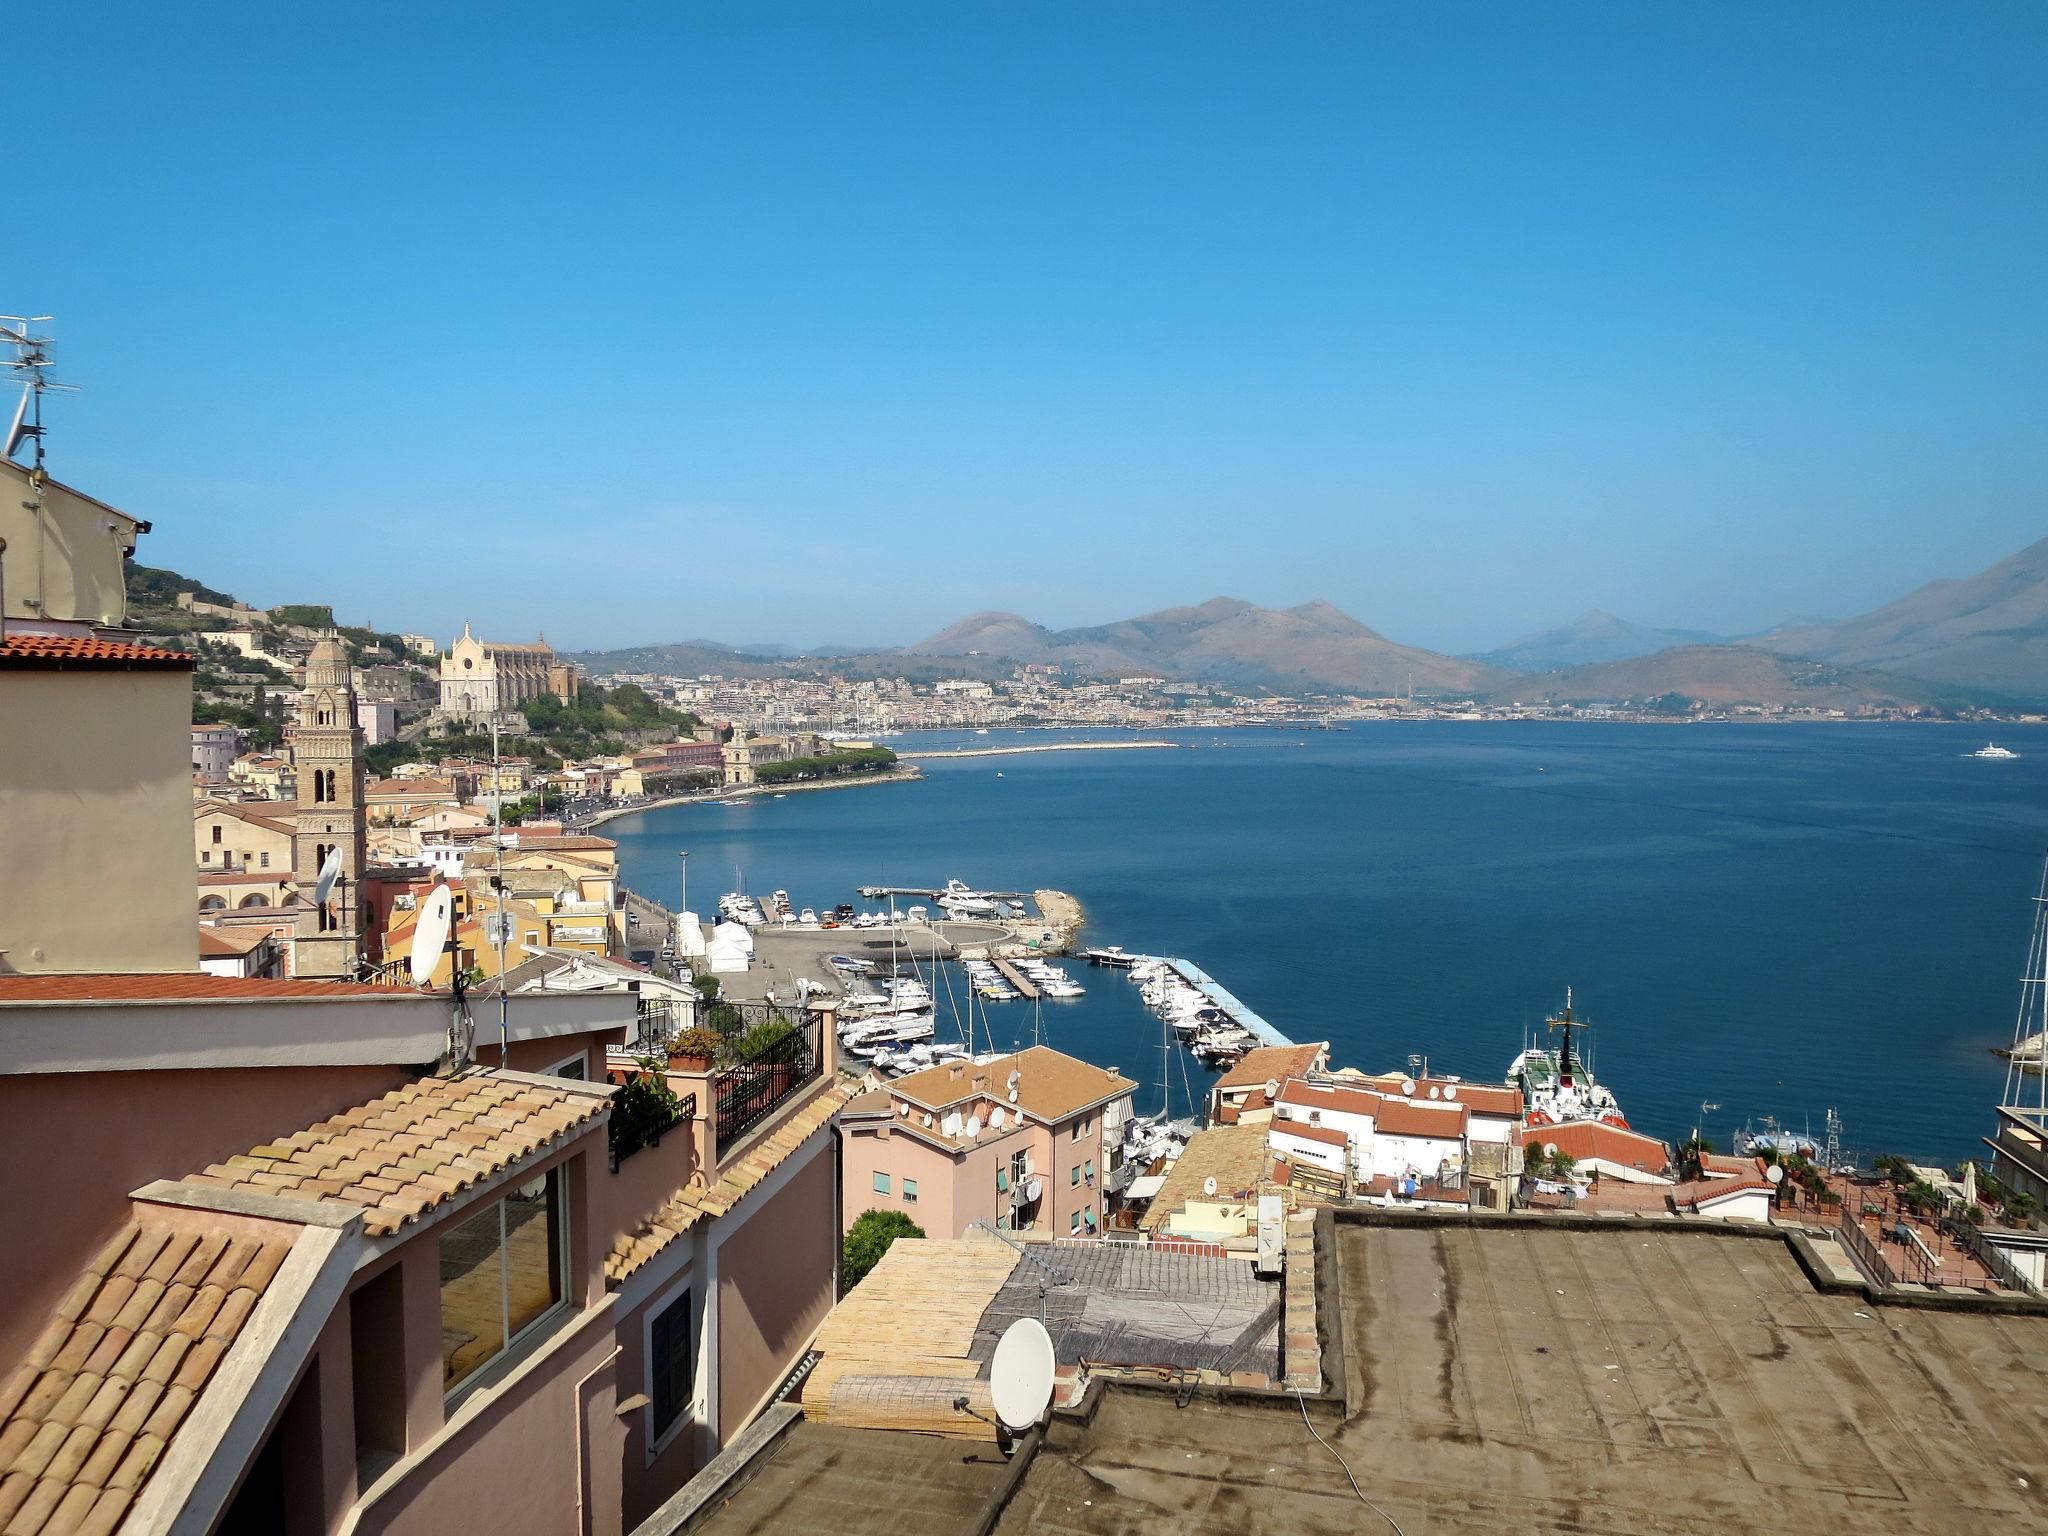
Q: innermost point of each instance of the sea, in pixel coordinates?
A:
(1755, 920)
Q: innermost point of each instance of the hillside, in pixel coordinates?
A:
(1312, 647)
(1987, 632)
(1725, 675)
(1590, 638)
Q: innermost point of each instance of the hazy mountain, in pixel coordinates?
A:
(1591, 637)
(1315, 646)
(1728, 675)
(1988, 632)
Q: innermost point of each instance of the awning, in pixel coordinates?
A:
(1146, 1188)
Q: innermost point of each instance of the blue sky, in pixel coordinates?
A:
(833, 323)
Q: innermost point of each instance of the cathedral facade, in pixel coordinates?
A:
(481, 677)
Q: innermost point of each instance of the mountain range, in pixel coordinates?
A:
(1982, 639)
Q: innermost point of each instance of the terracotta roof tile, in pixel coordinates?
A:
(1403, 1117)
(175, 987)
(84, 653)
(475, 1124)
(1270, 1062)
(684, 1209)
(85, 1421)
(1584, 1139)
(1050, 1085)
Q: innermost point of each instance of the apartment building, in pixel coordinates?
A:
(1031, 1142)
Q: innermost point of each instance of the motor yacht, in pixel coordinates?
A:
(1992, 749)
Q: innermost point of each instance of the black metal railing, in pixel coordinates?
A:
(770, 1054)
(661, 1019)
(630, 1133)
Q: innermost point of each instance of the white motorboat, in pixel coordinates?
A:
(1992, 749)
(1110, 954)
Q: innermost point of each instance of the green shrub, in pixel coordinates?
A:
(867, 1240)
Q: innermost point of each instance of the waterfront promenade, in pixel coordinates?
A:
(738, 792)
(1054, 746)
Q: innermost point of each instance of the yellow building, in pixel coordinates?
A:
(231, 835)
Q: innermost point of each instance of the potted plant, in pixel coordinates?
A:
(693, 1049)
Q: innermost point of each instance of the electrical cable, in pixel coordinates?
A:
(1302, 1402)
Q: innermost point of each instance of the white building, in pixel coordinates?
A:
(379, 720)
(214, 749)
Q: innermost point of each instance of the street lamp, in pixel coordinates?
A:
(683, 907)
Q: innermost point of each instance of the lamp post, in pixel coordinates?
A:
(683, 907)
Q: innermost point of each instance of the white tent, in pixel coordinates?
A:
(690, 936)
(731, 948)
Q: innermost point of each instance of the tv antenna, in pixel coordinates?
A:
(31, 365)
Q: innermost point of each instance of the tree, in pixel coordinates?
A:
(1692, 1155)
(867, 1240)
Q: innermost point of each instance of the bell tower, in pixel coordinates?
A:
(327, 751)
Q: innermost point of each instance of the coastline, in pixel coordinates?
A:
(712, 797)
(1051, 746)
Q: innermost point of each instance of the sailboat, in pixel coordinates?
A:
(2028, 1052)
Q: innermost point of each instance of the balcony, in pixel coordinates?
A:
(772, 1054)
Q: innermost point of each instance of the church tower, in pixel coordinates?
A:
(327, 750)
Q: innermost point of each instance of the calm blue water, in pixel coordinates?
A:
(1774, 918)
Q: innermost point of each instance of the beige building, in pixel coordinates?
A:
(327, 758)
(482, 677)
(253, 837)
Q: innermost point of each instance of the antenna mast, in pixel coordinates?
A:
(30, 364)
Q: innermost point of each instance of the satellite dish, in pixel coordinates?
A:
(1434, 1092)
(1272, 1087)
(1775, 1174)
(1408, 1086)
(1451, 1091)
(1209, 1185)
(973, 1126)
(1020, 1376)
(995, 1119)
(430, 934)
(927, 1121)
(329, 873)
(1016, 1077)
(1035, 1188)
(1550, 1149)
(1013, 1095)
(903, 1110)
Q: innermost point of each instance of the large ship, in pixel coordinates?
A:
(1557, 1082)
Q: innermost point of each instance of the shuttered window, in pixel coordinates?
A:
(671, 1363)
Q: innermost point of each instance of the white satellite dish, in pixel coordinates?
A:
(430, 934)
(329, 873)
(927, 1121)
(1209, 1185)
(1451, 1091)
(995, 1119)
(973, 1126)
(1434, 1091)
(1550, 1149)
(1020, 1377)
(903, 1110)
(1775, 1174)
(1016, 1077)
(1272, 1087)
(1035, 1188)
(1408, 1086)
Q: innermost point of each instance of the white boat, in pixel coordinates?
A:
(1109, 954)
(807, 917)
(1992, 749)
(1558, 1085)
(962, 900)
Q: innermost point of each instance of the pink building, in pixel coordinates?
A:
(1030, 1142)
(305, 1256)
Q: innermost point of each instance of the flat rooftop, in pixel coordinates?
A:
(1549, 1380)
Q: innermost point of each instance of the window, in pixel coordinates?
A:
(265, 860)
(910, 1191)
(1088, 1170)
(216, 836)
(503, 1269)
(1075, 1133)
(1074, 1175)
(206, 857)
(671, 1365)
(1074, 1222)
(881, 1183)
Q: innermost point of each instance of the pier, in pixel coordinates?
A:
(1017, 979)
(1240, 1015)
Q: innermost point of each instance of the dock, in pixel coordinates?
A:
(1240, 1015)
(1017, 979)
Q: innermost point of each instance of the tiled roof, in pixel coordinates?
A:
(1583, 1139)
(1481, 1098)
(1330, 1096)
(82, 652)
(1714, 1162)
(1271, 1062)
(176, 987)
(404, 1154)
(1403, 1117)
(1709, 1191)
(1330, 1135)
(687, 1207)
(1233, 1155)
(86, 1417)
(1050, 1085)
(224, 943)
(242, 811)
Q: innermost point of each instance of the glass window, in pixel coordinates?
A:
(1075, 1176)
(910, 1191)
(266, 861)
(1088, 1170)
(502, 1271)
(671, 1364)
(216, 834)
(1074, 1222)
(881, 1183)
